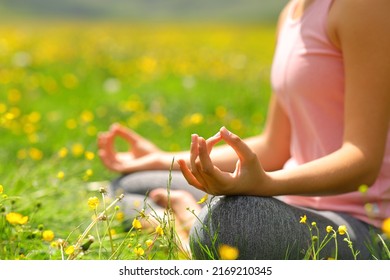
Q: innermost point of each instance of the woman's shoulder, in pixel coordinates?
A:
(370, 17)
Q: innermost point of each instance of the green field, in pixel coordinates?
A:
(63, 83)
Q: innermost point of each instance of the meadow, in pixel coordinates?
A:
(61, 83)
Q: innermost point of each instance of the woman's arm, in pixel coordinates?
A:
(365, 45)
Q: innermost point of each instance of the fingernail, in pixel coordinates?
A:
(193, 137)
(225, 131)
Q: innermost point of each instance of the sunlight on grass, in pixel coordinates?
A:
(62, 83)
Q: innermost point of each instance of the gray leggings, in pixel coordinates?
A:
(260, 227)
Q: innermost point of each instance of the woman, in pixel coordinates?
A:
(327, 133)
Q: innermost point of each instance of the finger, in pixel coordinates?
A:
(205, 161)
(191, 179)
(212, 175)
(240, 147)
(110, 143)
(194, 165)
(194, 151)
(125, 133)
(101, 141)
(212, 141)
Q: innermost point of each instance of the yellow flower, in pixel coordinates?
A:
(227, 252)
(35, 154)
(329, 229)
(159, 231)
(60, 175)
(203, 199)
(303, 219)
(48, 235)
(69, 250)
(77, 149)
(93, 202)
(89, 172)
(314, 224)
(120, 216)
(63, 152)
(149, 242)
(136, 224)
(139, 251)
(196, 118)
(16, 218)
(342, 230)
(71, 124)
(89, 155)
(86, 116)
(386, 227)
(1, 189)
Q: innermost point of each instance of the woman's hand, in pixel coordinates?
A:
(246, 179)
(142, 155)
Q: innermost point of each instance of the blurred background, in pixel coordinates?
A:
(141, 10)
(69, 69)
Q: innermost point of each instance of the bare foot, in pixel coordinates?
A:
(182, 204)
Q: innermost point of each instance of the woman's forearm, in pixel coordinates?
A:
(340, 172)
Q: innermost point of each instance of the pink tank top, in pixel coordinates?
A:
(308, 80)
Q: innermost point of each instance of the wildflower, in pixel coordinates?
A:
(342, 230)
(136, 224)
(386, 227)
(314, 224)
(48, 235)
(221, 112)
(120, 216)
(60, 175)
(203, 199)
(227, 252)
(91, 130)
(93, 202)
(1, 189)
(89, 172)
(149, 242)
(77, 149)
(196, 118)
(16, 218)
(329, 229)
(71, 124)
(303, 219)
(70, 250)
(63, 152)
(159, 231)
(35, 154)
(86, 116)
(139, 251)
(89, 155)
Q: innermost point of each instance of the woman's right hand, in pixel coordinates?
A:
(142, 154)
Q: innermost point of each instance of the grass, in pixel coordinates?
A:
(62, 83)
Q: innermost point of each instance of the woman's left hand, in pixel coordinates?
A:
(246, 179)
